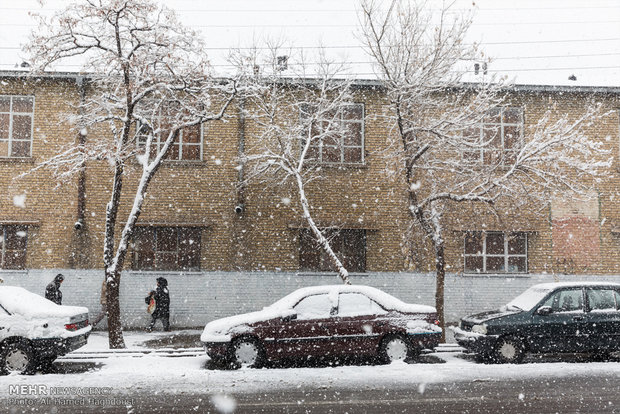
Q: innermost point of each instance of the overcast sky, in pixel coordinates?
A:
(536, 42)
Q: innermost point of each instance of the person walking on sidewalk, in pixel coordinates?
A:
(162, 304)
(104, 304)
(52, 291)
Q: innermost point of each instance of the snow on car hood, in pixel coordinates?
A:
(17, 300)
(488, 315)
(220, 330)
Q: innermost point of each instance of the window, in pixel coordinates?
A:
(495, 252)
(187, 146)
(314, 307)
(13, 241)
(348, 245)
(569, 300)
(602, 299)
(166, 248)
(499, 137)
(356, 304)
(16, 119)
(338, 138)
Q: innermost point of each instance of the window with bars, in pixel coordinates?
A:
(349, 245)
(16, 126)
(13, 243)
(167, 248)
(497, 139)
(338, 138)
(186, 146)
(495, 252)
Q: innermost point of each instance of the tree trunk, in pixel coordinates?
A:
(115, 328)
(440, 282)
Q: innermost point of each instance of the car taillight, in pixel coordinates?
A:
(71, 327)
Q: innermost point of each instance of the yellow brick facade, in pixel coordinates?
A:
(266, 235)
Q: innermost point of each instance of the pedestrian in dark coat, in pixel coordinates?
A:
(52, 291)
(162, 304)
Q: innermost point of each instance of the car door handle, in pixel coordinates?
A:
(577, 318)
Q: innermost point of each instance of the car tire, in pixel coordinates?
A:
(509, 350)
(395, 348)
(17, 357)
(247, 352)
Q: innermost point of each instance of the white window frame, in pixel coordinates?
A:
(506, 255)
(501, 125)
(11, 113)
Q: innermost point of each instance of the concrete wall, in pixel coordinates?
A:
(197, 298)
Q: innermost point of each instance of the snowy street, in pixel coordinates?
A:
(148, 378)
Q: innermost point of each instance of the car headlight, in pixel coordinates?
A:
(481, 329)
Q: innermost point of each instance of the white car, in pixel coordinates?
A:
(35, 331)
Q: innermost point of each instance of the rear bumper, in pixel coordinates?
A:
(50, 347)
(425, 340)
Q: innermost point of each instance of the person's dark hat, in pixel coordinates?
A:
(59, 277)
(162, 281)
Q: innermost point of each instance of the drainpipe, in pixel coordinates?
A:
(240, 206)
(81, 195)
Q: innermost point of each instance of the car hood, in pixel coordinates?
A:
(489, 315)
(19, 301)
(221, 330)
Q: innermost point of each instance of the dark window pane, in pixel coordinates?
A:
(517, 243)
(473, 243)
(495, 264)
(191, 152)
(166, 261)
(15, 237)
(471, 156)
(4, 126)
(352, 155)
(473, 264)
(22, 104)
(166, 239)
(517, 264)
(512, 137)
(5, 104)
(512, 115)
(309, 252)
(15, 259)
(331, 154)
(495, 243)
(312, 154)
(353, 112)
(20, 149)
(353, 135)
(494, 116)
(4, 148)
(192, 134)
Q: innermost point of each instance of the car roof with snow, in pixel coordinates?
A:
(556, 285)
(17, 300)
(384, 299)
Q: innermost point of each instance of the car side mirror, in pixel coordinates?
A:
(544, 311)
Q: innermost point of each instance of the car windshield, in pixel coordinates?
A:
(528, 299)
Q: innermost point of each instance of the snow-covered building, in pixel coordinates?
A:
(227, 248)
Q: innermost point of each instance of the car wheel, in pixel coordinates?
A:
(395, 348)
(17, 357)
(509, 350)
(247, 352)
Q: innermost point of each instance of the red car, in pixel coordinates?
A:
(321, 321)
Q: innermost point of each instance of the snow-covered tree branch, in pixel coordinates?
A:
(458, 138)
(148, 82)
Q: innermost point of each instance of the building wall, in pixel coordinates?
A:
(250, 259)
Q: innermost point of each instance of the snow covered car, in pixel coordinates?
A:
(321, 321)
(35, 331)
(551, 317)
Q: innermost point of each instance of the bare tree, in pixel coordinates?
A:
(450, 141)
(148, 81)
(297, 108)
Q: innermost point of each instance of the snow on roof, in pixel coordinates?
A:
(17, 300)
(570, 43)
